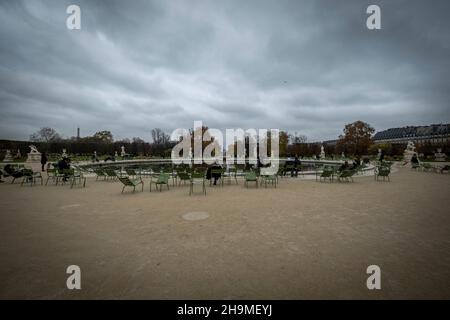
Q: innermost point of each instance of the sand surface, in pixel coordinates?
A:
(302, 240)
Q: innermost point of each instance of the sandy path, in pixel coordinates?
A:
(302, 240)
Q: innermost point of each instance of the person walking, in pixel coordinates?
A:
(43, 160)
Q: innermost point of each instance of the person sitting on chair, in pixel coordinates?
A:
(344, 166)
(415, 160)
(64, 164)
(216, 176)
(12, 172)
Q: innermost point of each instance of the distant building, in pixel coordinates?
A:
(435, 133)
(330, 142)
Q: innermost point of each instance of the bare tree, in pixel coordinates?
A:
(296, 138)
(159, 137)
(45, 134)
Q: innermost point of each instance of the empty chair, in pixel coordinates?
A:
(383, 172)
(30, 177)
(327, 173)
(197, 178)
(162, 178)
(251, 177)
(127, 182)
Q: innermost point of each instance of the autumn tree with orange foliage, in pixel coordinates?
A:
(357, 138)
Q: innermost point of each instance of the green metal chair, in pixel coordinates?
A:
(77, 176)
(197, 178)
(183, 176)
(251, 176)
(326, 173)
(30, 177)
(127, 182)
(162, 178)
(132, 173)
(269, 178)
(110, 173)
(100, 173)
(382, 172)
(52, 174)
(230, 175)
(345, 175)
(170, 172)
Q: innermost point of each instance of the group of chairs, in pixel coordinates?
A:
(428, 167)
(332, 173)
(72, 176)
(160, 177)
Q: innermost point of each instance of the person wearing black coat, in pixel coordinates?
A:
(43, 160)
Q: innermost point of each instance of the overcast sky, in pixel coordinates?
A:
(305, 66)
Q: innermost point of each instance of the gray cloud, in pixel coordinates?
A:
(305, 66)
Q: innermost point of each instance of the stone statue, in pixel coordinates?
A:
(410, 146)
(122, 152)
(64, 153)
(409, 152)
(439, 156)
(33, 149)
(8, 157)
(34, 155)
(18, 154)
(322, 153)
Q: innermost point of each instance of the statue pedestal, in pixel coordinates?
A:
(34, 157)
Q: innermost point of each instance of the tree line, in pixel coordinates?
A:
(356, 139)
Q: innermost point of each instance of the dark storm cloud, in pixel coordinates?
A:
(305, 66)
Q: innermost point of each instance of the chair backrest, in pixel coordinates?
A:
(110, 172)
(126, 181)
(250, 175)
(347, 173)
(384, 171)
(163, 178)
(183, 175)
(27, 172)
(200, 170)
(99, 172)
(197, 175)
(216, 171)
(68, 172)
(130, 172)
